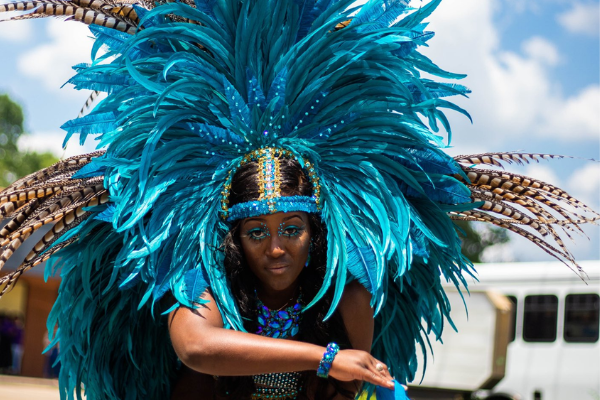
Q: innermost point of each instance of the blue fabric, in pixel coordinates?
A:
(386, 394)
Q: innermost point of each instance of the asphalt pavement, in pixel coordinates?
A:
(21, 388)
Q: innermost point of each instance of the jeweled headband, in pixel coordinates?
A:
(270, 199)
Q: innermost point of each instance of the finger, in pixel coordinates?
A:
(374, 377)
(383, 370)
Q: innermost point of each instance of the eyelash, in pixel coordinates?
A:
(263, 229)
(281, 231)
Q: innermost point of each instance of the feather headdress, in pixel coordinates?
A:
(195, 86)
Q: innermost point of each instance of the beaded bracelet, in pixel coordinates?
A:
(327, 360)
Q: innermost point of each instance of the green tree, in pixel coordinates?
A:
(476, 241)
(14, 163)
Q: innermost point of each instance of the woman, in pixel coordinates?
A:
(212, 109)
(276, 261)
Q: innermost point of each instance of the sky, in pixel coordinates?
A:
(533, 68)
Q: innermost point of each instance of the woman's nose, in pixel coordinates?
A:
(275, 249)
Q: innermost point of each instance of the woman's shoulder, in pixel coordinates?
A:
(355, 295)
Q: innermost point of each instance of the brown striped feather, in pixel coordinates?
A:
(572, 220)
(516, 217)
(70, 11)
(18, 219)
(477, 216)
(55, 213)
(527, 203)
(45, 189)
(508, 181)
(8, 208)
(88, 103)
(9, 280)
(27, 5)
(62, 169)
(342, 25)
(497, 159)
(521, 185)
(10, 248)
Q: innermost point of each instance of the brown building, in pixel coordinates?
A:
(31, 299)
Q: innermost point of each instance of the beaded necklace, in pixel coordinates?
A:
(282, 323)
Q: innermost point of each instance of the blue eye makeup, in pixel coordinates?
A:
(258, 233)
(290, 230)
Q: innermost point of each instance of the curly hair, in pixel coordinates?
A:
(313, 328)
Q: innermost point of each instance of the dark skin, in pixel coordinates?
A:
(276, 248)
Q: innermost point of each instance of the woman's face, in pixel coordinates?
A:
(276, 247)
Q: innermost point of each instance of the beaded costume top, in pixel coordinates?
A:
(283, 323)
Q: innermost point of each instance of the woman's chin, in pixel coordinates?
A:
(280, 280)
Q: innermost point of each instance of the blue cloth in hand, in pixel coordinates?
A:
(386, 394)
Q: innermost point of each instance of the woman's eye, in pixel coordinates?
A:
(257, 234)
(291, 231)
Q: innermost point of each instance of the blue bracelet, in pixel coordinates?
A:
(327, 360)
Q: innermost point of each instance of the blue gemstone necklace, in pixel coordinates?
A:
(283, 323)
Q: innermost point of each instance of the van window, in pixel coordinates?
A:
(539, 320)
(581, 318)
(513, 318)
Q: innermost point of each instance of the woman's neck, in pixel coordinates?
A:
(275, 299)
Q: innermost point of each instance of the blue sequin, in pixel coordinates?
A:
(264, 207)
(279, 323)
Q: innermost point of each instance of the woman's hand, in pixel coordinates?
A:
(357, 365)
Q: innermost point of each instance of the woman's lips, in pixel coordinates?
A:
(277, 267)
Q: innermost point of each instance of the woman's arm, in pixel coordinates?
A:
(357, 314)
(203, 345)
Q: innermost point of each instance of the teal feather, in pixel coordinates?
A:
(361, 265)
(196, 283)
(186, 102)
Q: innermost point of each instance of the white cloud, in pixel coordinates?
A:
(582, 18)
(541, 50)
(15, 31)
(51, 141)
(575, 117)
(584, 184)
(543, 173)
(67, 44)
(514, 99)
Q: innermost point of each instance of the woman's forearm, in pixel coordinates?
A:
(218, 351)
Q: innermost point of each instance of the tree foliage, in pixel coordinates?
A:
(476, 241)
(15, 163)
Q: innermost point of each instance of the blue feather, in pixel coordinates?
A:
(90, 170)
(361, 265)
(91, 123)
(276, 94)
(255, 93)
(107, 214)
(207, 7)
(196, 282)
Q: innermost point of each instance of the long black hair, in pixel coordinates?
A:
(313, 328)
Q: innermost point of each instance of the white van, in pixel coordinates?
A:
(554, 351)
